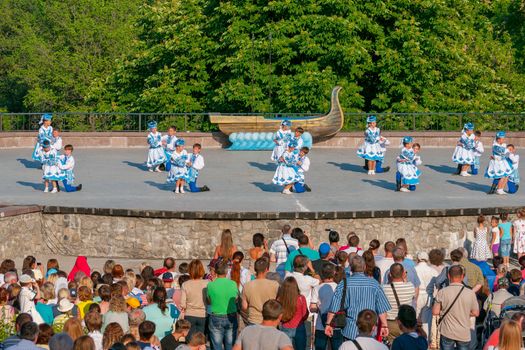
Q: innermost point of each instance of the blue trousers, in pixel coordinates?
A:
(379, 166)
(68, 187)
(223, 331)
(193, 186)
(399, 181)
(511, 186)
(168, 165)
(298, 187)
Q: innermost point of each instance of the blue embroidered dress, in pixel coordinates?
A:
(179, 169)
(465, 152)
(282, 137)
(371, 149)
(67, 164)
(499, 166)
(43, 134)
(406, 166)
(50, 166)
(286, 173)
(156, 154)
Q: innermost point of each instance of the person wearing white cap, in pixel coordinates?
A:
(65, 307)
(424, 302)
(29, 293)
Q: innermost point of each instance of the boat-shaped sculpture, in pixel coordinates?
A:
(320, 127)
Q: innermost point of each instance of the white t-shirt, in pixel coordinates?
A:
(322, 296)
(306, 285)
(366, 343)
(385, 264)
(495, 233)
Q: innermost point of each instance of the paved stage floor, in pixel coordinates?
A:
(241, 181)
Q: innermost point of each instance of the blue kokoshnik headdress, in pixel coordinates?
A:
(46, 116)
(179, 142)
(292, 143)
(468, 126)
(152, 124)
(286, 122)
(371, 119)
(46, 143)
(408, 139)
(500, 134)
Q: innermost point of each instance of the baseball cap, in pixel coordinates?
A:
(167, 277)
(324, 249)
(133, 303)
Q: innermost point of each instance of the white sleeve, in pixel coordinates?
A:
(58, 144)
(417, 160)
(315, 296)
(306, 164)
(164, 138)
(199, 163)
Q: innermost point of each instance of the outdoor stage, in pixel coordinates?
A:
(241, 182)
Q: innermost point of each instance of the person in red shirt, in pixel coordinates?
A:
(295, 313)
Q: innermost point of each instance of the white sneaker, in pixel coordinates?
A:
(177, 190)
(373, 172)
(464, 173)
(404, 189)
(182, 190)
(150, 170)
(500, 191)
(54, 190)
(370, 172)
(287, 192)
(46, 190)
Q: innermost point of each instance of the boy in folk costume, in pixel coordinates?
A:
(371, 149)
(298, 137)
(464, 153)
(286, 174)
(49, 159)
(499, 167)
(513, 183)
(156, 154)
(56, 141)
(168, 142)
(406, 166)
(282, 136)
(44, 133)
(66, 163)
(302, 166)
(179, 167)
(195, 164)
(478, 152)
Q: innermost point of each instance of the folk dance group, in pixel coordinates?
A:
(56, 166)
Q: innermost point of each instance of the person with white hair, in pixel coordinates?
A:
(426, 275)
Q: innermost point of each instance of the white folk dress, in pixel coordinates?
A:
(519, 236)
(282, 137)
(371, 149)
(179, 168)
(406, 166)
(499, 165)
(67, 164)
(480, 248)
(286, 173)
(43, 134)
(197, 163)
(156, 154)
(464, 152)
(169, 148)
(49, 160)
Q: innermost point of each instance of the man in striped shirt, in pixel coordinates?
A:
(281, 248)
(362, 293)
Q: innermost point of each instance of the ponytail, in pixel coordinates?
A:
(235, 273)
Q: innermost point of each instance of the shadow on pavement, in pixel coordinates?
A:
(472, 186)
(349, 167)
(140, 166)
(264, 167)
(161, 186)
(29, 163)
(36, 186)
(445, 169)
(267, 187)
(381, 183)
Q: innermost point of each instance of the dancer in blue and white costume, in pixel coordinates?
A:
(56, 141)
(514, 180)
(406, 165)
(168, 142)
(66, 163)
(282, 136)
(464, 153)
(195, 164)
(499, 167)
(156, 154)
(52, 173)
(286, 174)
(371, 149)
(302, 166)
(179, 167)
(44, 133)
(478, 152)
(298, 137)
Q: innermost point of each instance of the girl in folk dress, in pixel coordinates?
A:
(179, 167)
(155, 154)
(494, 230)
(499, 167)
(286, 174)
(44, 133)
(480, 248)
(464, 153)
(519, 233)
(371, 149)
(52, 173)
(281, 139)
(406, 166)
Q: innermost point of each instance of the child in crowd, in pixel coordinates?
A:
(168, 142)
(56, 141)
(44, 133)
(521, 261)
(371, 149)
(303, 165)
(179, 171)
(156, 155)
(499, 167)
(506, 236)
(66, 163)
(52, 173)
(195, 164)
(464, 152)
(514, 179)
(515, 279)
(281, 139)
(478, 152)
(518, 227)
(298, 137)
(408, 171)
(286, 174)
(480, 248)
(494, 246)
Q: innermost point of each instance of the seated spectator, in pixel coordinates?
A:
(28, 337)
(252, 337)
(409, 339)
(93, 321)
(495, 300)
(366, 325)
(515, 281)
(177, 337)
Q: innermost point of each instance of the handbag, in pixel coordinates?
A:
(339, 320)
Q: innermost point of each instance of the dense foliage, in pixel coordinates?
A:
(277, 55)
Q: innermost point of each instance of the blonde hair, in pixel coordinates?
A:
(48, 291)
(63, 293)
(130, 281)
(52, 278)
(86, 282)
(226, 247)
(510, 336)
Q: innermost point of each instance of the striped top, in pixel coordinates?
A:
(361, 293)
(406, 294)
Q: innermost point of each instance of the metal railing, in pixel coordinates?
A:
(91, 122)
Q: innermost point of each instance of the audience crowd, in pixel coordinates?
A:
(349, 295)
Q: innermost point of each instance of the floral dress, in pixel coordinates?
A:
(480, 249)
(519, 236)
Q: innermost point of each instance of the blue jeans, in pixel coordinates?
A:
(223, 331)
(193, 186)
(68, 187)
(322, 340)
(297, 336)
(298, 187)
(449, 344)
(504, 247)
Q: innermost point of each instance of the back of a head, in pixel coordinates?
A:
(389, 247)
(515, 275)
(297, 233)
(261, 265)
(366, 320)
(396, 271)
(286, 229)
(29, 331)
(136, 317)
(84, 342)
(456, 255)
(456, 272)
(61, 341)
(222, 268)
(272, 309)
(146, 330)
(333, 237)
(198, 339)
(357, 264)
(353, 241)
(169, 263)
(182, 325)
(407, 316)
(303, 240)
(510, 336)
(328, 271)
(299, 263)
(398, 254)
(23, 318)
(436, 257)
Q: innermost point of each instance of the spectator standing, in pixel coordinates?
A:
(480, 249)
(222, 296)
(260, 248)
(112, 335)
(436, 259)
(29, 293)
(135, 318)
(45, 332)
(387, 261)
(257, 292)
(408, 265)
(265, 336)
(371, 269)
(306, 283)
(73, 328)
(333, 238)
(518, 227)
(304, 250)
(177, 337)
(160, 313)
(472, 271)
(409, 339)
(61, 341)
(193, 298)
(238, 273)
(28, 337)
(65, 307)
(353, 244)
(325, 255)
(373, 247)
(295, 312)
(426, 275)
(361, 293)
(21, 319)
(495, 300)
(366, 325)
(226, 248)
(506, 237)
(281, 248)
(117, 313)
(84, 343)
(455, 304)
(93, 321)
(43, 306)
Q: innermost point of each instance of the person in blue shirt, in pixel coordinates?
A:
(413, 337)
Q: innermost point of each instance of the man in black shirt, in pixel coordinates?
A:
(326, 255)
(178, 337)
